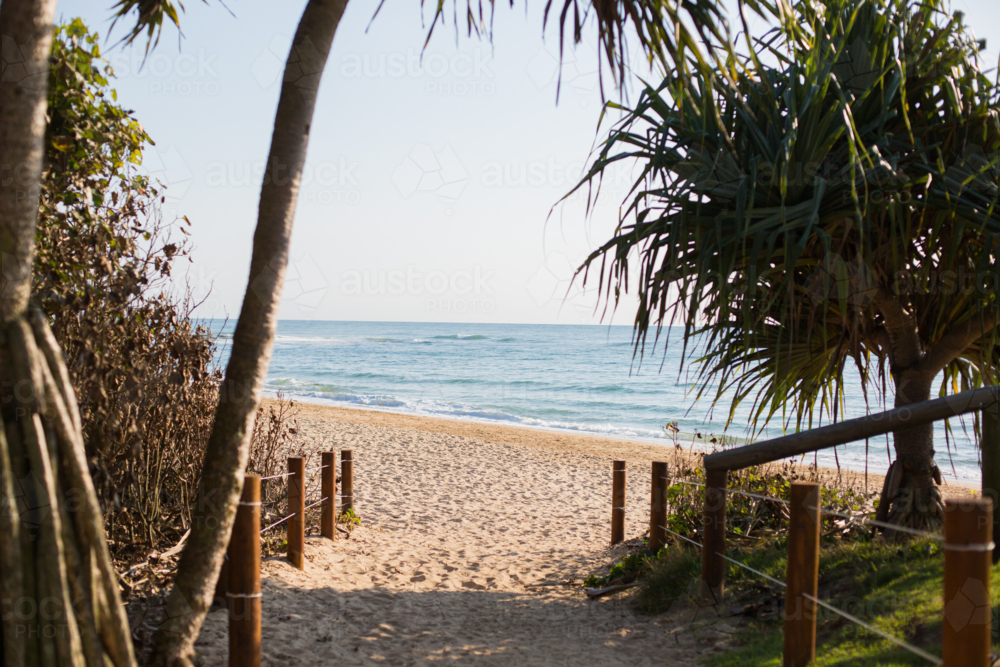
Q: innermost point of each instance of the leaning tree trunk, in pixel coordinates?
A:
(60, 592)
(910, 494)
(229, 444)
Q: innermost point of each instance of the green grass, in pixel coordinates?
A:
(896, 588)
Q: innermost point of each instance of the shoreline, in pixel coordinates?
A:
(581, 442)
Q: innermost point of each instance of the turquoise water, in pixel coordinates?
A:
(573, 378)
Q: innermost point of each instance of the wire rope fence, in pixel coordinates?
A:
(967, 544)
(239, 580)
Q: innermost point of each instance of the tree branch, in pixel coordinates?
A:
(905, 348)
(959, 338)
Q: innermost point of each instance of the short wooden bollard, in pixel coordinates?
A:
(658, 506)
(802, 575)
(713, 545)
(328, 519)
(617, 501)
(347, 479)
(243, 595)
(968, 552)
(296, 536)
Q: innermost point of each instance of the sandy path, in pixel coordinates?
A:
(466, 547)
(470, 532)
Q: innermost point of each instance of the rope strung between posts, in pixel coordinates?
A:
(913, 649)
(858, 519)
(757, 572)
(731, 560)
(736, 491)
(681, 536)
(289, 474)
(280, 521)
(898, 642)
(317, 502)
(882, 524)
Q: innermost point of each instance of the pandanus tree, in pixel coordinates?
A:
(826, 199)
(49, 552)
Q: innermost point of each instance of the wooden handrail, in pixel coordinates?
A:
(851, 430)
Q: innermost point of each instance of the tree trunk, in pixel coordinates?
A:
(53, 554)
(228, 447)
(914, 499)
(26, 34)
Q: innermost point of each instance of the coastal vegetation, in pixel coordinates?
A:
(141, 368)
(822, 202)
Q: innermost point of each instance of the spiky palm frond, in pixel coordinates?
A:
(667, 32)
(799, 202)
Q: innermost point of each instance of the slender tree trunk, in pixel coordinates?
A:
(910, 488)
(253, 340)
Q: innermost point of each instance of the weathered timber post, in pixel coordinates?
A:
(658, 506)
(990, 448)
(243, 595)
(802, 575)
(968, 547)
(713, 545)
(328, 518)
(296, 536)
(617, 501)
(347, 479)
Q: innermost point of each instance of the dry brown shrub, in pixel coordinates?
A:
(142, 368)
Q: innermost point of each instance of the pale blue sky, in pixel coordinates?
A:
(428, 185)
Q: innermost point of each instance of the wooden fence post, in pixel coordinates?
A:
(617, 501)
(713, 544)
(968, 532)
(990, 448)
(347, 479)
(243, 596)
(802, 575)
(328, 519)
(296, 535)
(658, 506)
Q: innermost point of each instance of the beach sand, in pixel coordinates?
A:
(474, 542)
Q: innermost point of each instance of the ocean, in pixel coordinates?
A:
(580, 379)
